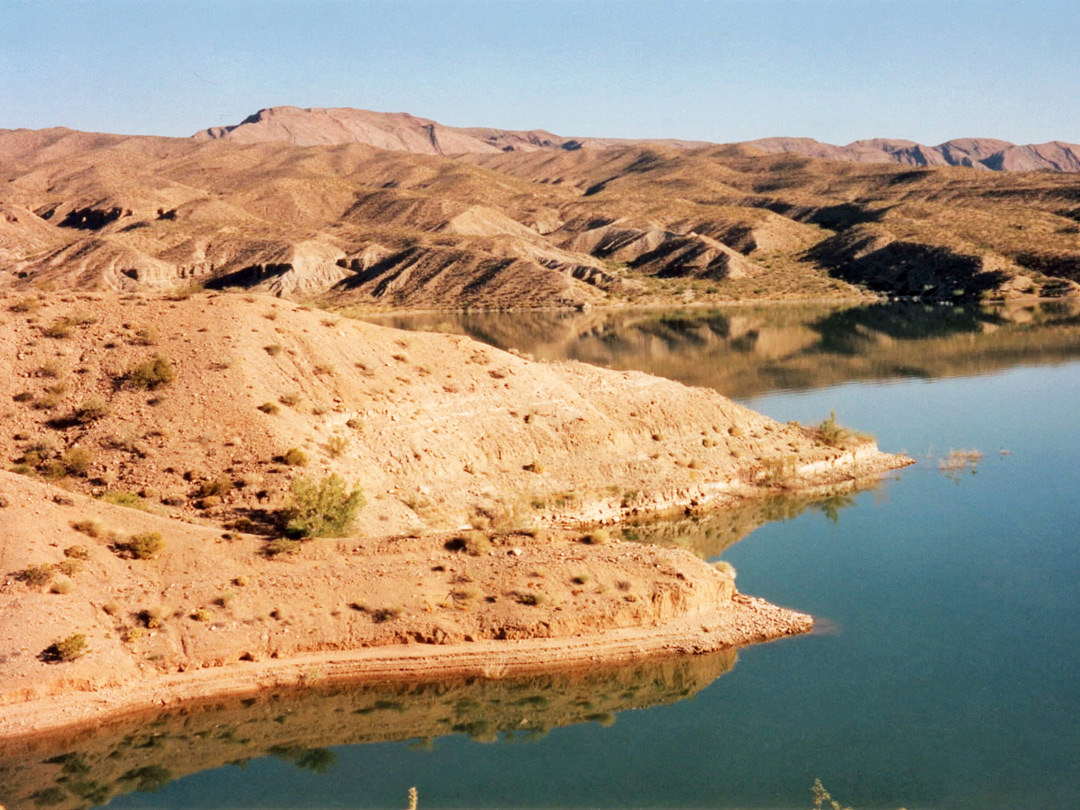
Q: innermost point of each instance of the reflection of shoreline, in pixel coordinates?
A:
(708, 533)
(748, 350)
(144, 752)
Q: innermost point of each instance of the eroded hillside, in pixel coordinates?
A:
(604, 222)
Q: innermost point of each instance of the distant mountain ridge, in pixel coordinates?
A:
(977, 153)
(318, 126)
(402, 132)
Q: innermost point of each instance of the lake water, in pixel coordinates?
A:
(943, 672)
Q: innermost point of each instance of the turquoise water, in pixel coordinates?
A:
(944, 670)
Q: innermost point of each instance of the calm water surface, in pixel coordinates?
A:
(944, 672)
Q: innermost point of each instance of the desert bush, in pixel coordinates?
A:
(598, 537)
(37, 576)
(90, 410)
(77, 552)
(152, 374)
(23, 396)
(291, 399)
(146, 336)
(832, 433)
(58, 329)
(25, 305)
(529, 598)
(274, 349)
(270, 408)
(201, 615)
(221, 485)
(295, 457)
(120, 497)
(69, 568)
(91, 528)
(336, 445)
(144, 546)
(282, 546)
(68, 649)
(53, 396)
(325, 507)
(62, 587)
(74, 461)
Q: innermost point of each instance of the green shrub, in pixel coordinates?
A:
(322, 508)
(143, 546)
(221, 485)
(37, 576)
(69, 649)
(831, 433)
(90, 410)
(120, 497)
(282, 545)
(599, 537)
(152, 374)
(295, 457)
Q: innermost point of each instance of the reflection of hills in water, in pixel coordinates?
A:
(746, 351)
(709, 533)
(146, 752)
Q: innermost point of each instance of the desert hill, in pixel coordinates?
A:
(404, 132)
(398, 131)
(154, 445)
(988, 154)
(352, 224)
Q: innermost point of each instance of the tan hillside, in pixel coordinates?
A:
(192, 417)
(350, 224)
(398, 132)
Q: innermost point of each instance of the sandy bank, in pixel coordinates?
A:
(745, 621)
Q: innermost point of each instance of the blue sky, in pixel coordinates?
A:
(836, 70)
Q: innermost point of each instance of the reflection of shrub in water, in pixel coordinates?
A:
(316, 760)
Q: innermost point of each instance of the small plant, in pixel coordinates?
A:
(221, 485)
(91, 528)
(534, 467)
(582, 579)
(475, 543)
(146, 336)
(120, 497)
(23, 396)
(598, 537)
(74, 461)
(274, 349)
(143, 546)
(325, 507)
(69, 649)
(295, 457)
(830, 433)
(291, 399)
(25, 305)
(58, 329)
(37, 576)
(53, 396)
(62, 587)
(90, 410)
(336, 445)
(324, 370)
(270, 408)
(69, 568)
(77, 552)
(282, 546)
(152, 374)
(201, 615)
(532, 598)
